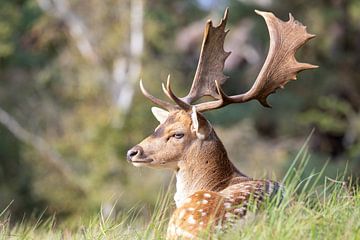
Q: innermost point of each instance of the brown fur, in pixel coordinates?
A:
(205, 163)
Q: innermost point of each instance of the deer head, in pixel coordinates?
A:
(185, 141)
(177, 136)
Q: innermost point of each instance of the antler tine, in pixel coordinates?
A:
(172, 96)
(155, 100)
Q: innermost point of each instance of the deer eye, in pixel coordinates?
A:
(178, 135)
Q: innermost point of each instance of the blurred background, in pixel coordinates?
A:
(70, 104)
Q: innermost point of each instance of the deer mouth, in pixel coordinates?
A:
(148, 160)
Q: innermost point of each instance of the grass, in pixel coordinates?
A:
(314, 207)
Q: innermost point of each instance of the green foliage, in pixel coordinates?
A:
(336, 117)
(333, 115)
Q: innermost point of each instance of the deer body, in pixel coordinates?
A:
(210, 190)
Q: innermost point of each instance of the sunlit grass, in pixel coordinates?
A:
(313, 207)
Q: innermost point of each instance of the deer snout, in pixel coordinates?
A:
(134, 152)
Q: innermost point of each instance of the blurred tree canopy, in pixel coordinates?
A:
(70, 105)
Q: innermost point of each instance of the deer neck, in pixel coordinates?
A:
(205, 167)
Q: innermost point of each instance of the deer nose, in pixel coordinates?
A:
(135, 151)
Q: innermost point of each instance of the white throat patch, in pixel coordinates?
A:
(180, 194)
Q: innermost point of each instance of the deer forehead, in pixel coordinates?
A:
(180, 116)
(179, 120)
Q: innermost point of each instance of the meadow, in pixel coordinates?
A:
(313, 207)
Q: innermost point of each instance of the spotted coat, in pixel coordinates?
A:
(206, 210)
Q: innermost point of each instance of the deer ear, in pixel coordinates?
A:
(200, 127)
(160, 114)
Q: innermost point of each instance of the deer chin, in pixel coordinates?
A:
(160, 164)
(152, 163)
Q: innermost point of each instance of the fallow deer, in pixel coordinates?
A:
(210, 190)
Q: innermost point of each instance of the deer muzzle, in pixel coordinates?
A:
(136, 155)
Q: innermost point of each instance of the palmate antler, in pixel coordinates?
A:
(279, 68)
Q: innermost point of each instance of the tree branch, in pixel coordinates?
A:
(51, 156)
(126, 70)
(77, 29)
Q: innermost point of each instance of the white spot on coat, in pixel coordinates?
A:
(239, 210)
(227, 205)
(207, 195)
(182, 233)
(191, 220)
(182, 213)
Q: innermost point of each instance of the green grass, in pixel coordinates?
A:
(314, 207)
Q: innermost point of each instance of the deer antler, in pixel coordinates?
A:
(155, 100)
(280, 65)
(211, 62)
(209, 69)
(279, 68)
